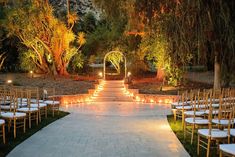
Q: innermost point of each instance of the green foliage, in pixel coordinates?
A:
(173, 74)
(27, 57)
(155, 48)
(77, 61)
(89, 23)
(115, 58)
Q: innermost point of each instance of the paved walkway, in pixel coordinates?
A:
(114, 127)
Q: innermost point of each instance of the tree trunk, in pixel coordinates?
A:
(63, 70)
(217, 75)
(160, 74)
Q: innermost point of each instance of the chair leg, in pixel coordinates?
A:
(183, 119)
(14, 128)
(39, 115)
(58, 111)
(192, 136)
(9, 125)
(53, 110)
(198, 145)
(208, 147)
(46, 112)
(220, 154)
(24, 124)
(29, 120)
(3, 134)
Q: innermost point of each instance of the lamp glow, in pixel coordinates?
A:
(129, 74)
(100, 74)
(9, 81)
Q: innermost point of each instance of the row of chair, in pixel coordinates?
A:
(19, 105)
(212, 114)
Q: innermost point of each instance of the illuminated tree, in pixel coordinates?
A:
(194, 30)
(50, 43)
(115, 58)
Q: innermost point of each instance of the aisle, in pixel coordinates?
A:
(110, 126)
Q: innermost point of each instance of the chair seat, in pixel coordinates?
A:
(213, 112)
(228, 148)
(215, 105)
(221, 121)
(191, 113)
(51, 102)
(185, 107)
(11, 115)
(26, 109)
(6, 107)
(2, 121)
(207, 106)
(41, 105)
(197, 120)
(180, 103)
(22, 104)
(32, 100)
(215, 133)
(5, 102)
(232, 132)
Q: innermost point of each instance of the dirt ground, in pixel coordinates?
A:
(63, 85)
(81, 84)
(192, 80)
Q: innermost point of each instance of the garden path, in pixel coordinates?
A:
(112, 125)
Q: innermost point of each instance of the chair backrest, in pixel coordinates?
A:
(34, 93)
(224, 113)
(216, 95)
(49, 93)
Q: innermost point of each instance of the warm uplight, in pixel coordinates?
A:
(100, 74)
(31, 72)
(129, 74)
(9, 81)
(137, 98)
(152, 101)
(160, 101)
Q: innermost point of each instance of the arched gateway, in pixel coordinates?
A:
(105, 57)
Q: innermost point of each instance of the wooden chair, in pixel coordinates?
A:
(206, 136)
(196, 120)
(32, 113)
(227, 149)
(49, 99)
(183, 105)
(17, 119)
(36, 103)
(2, 121)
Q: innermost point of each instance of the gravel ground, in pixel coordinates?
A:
(63, 86)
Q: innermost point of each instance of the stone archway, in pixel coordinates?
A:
(105, 57)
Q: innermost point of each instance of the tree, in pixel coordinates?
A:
(115, 58)
(50, 44)
(191, 29)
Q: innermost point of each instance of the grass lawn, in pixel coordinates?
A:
(191, 149)
(12, 143)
